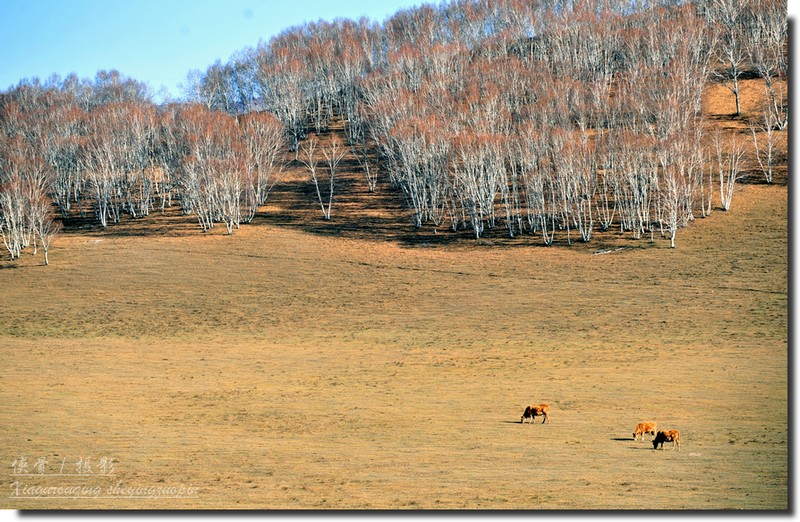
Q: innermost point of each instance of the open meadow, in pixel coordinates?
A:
(284, 369)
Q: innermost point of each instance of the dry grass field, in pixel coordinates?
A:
(300, 364)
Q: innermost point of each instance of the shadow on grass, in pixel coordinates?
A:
(640, 446)
(170, 222)
(380, 216)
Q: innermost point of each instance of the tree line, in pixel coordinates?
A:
(543, 117)
(105, 151)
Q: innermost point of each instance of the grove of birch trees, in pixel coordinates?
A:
(549, 118)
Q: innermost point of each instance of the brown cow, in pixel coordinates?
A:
(536, 410)
(673, 436)
(642, 428)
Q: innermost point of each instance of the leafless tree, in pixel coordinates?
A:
(766, 148)
(729, 164)
(333, 152)
(13, 227)
(44, 227)
(309, 156)
(25, 206)
(730, 18)
(213, 88)
(263, 138)
(282, 79)
(766, 40)
(212, 171)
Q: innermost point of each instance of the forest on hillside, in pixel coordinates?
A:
(547, 118)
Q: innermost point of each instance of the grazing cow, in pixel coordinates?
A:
(531, 412)
(644, 427)
(673, 436)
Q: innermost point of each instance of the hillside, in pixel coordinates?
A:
(517, 120)
(382, 215)
(286, 369)
(311, 364)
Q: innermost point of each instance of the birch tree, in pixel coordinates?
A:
(729, 163)
(309, 156)
(765, 142)
(729, 17)
(264, 141)
(765, 42)
(333, 152)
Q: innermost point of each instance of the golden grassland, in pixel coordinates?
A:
(289, 368)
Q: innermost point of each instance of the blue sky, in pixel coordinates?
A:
(156, 41)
